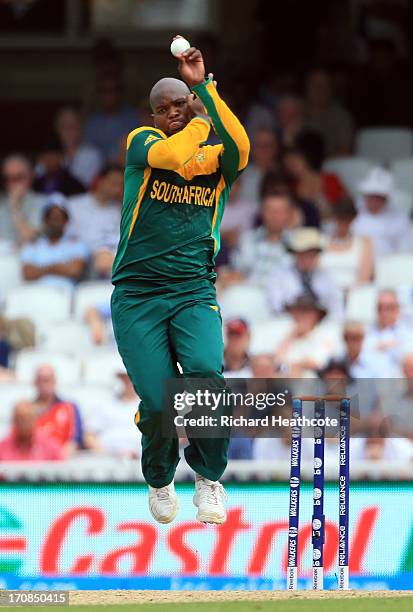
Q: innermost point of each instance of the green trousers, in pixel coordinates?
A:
(154, 330)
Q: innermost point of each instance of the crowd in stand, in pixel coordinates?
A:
(292, 230)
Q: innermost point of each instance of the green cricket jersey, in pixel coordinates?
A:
(174, 196)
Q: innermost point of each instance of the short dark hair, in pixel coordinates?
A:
(275, 183)
(344, 209)
(310, 144)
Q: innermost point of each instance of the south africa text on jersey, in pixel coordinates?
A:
(172, 194)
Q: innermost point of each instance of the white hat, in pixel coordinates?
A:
(377, 182)
(305, 239)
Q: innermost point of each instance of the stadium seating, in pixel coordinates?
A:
(403, 200)
(361, 304)
(350, 170)
(70, 336)
(42, 304)
(395, 270)
(67, 367)
(402, 170)
(9, 273)
(10, 394)
(93, 293)
(101, 367)
(266, 335)
(88, 398)
(382, 145)
(245, 301)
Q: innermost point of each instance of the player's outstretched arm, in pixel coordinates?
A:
(226, 124)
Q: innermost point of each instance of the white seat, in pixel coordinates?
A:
(10, 273)
(92, 293)
(402, 170)
(266, 335)
(361, 304)
(394, 270)
(10, 394)
(403, 201)
(383, 145)
(101, 366)
(70, 336)
(88, 398)
(67, 367)
(244, 301)
(350, 170)
(43, 305)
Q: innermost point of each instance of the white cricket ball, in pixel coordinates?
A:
(179, 45)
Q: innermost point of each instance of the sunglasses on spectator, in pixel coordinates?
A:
(14, 178)
(350, 337)
(387, 306)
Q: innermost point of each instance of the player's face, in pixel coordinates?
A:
(172, 113)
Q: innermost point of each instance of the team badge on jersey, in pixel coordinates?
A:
(150, 138)
(200, 157)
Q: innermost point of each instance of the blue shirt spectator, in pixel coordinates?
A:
(53, 259)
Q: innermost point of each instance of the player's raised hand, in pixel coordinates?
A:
(197, 108)
(191, 66)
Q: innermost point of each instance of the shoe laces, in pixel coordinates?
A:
(214, 491)
(163, 494)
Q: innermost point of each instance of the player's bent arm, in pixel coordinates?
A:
(228, 127)
(150, 147)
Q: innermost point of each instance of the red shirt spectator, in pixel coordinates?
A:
(25, 442)
(60, 422)
(57, 419)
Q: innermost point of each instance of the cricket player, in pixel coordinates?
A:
(164, 307)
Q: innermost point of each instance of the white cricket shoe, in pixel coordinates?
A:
(209, 499)
(163, 503)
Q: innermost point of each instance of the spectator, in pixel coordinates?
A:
(400, 408)
(15, 334)
(325, 115)
(389, 334)
(262, 249)
(95, 219)
(98, 319)
(236, 358)
(381, 449)
(264, 158)
(338, 381)
(308, 345)
(378, 217)
(349, 258)
(52, 176)
(57, 418)
(20, 207)
(54, 259)
(26, 442)
(105, 127)
(304, 212)
(290, 118)
(303, 163)
(81, 159)
(304, 276)
(363, 363)
(113, 427)
(263, 366)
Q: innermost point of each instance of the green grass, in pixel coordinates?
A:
(394, 604)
